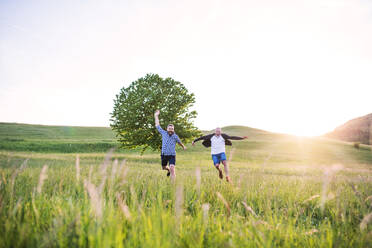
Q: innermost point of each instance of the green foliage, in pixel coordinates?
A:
(133, 115)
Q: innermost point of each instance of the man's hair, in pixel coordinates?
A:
(170, 125)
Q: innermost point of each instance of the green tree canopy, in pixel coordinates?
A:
(133, 116)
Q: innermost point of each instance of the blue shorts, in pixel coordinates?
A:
(217, 158)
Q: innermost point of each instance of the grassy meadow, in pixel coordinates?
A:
(62, 187)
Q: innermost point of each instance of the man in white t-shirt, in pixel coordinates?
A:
(217, 142)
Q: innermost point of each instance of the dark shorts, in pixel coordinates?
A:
(165, 159)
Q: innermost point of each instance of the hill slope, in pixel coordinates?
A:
(66, 139)
(43, 138)
(29, 131)
(355, 130)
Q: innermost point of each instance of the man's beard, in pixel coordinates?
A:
(170, 132)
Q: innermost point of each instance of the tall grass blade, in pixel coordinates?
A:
(225, 203)
(42, 177)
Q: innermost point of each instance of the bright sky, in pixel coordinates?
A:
(298, 67)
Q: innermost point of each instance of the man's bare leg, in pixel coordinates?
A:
(219, 170)
(226, 167)
(167, 169)
(172, 171)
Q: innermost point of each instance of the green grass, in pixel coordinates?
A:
(39, 138)
(27, 131)
(273, 174)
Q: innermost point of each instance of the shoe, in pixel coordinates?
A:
(220, 174)
(228, 179)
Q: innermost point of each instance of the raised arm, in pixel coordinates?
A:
(156, 115)
(157, 123)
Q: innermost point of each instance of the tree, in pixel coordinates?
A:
(133, 115)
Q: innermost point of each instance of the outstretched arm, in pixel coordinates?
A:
(201, 138)
(236, 137)
(156, 115)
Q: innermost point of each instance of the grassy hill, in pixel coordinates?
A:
(261, 144)
(70, 139)
(42, 138)
(28, 131)
(286, 191)
(355, 130)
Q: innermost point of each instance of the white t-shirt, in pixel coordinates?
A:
(217, 144)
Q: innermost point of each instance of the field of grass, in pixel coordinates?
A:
(62, 139)
(285, 192)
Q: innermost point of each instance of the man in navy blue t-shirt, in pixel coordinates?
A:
(168, 148)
